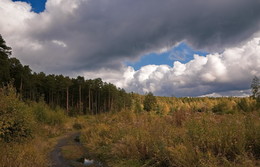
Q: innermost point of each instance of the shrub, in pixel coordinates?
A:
(150, 102)
(16, 119)
(223, 107)
(46, 115)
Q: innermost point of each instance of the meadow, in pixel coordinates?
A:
(182, 132)
(176, 132)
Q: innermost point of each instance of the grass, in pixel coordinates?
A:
(24, 155)
(181, 139)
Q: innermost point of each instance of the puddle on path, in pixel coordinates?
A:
(90, 162)
(78, 157)
(70, 152)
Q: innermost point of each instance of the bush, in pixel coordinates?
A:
(223, 107)
(46, 115)
(150, 102)
(16, 119)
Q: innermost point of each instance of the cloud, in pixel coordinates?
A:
(75, 36)
(227, 74)
(236, 93)
(60, 43)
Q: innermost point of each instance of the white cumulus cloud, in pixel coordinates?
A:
(228, 73)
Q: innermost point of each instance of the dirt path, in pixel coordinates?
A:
(57, 160)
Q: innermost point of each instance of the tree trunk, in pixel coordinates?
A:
(89, 100)
(109, 101)
(96, 100)
(21, 89)
(80, 105)
(52, 100)
(67, 105)
(99, 102)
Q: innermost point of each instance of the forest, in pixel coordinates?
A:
(121, 129)
(77, 95)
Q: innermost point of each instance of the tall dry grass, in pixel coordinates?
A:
(30, 154)
(182, 139)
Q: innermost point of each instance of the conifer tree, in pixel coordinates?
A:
(150, 102)
(5, 52)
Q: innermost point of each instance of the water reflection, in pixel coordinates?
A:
(88, 162)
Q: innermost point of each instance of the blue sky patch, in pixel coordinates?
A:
(182, 53)
(38, 6)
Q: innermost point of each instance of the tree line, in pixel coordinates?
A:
(76, 95)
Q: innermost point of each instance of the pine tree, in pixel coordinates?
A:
(150, 102)
(5, 52)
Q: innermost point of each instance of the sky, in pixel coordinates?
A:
(171, 47)
(181, 52)
(36, 5)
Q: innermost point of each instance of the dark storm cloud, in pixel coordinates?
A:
(101, 33)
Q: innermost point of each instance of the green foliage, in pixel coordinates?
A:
(16, 119)
(223, 107)
(3, 47)
(150, 102)
(5, 51)
(44, 114)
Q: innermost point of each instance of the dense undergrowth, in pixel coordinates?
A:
(203, 135)
(25, 129)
